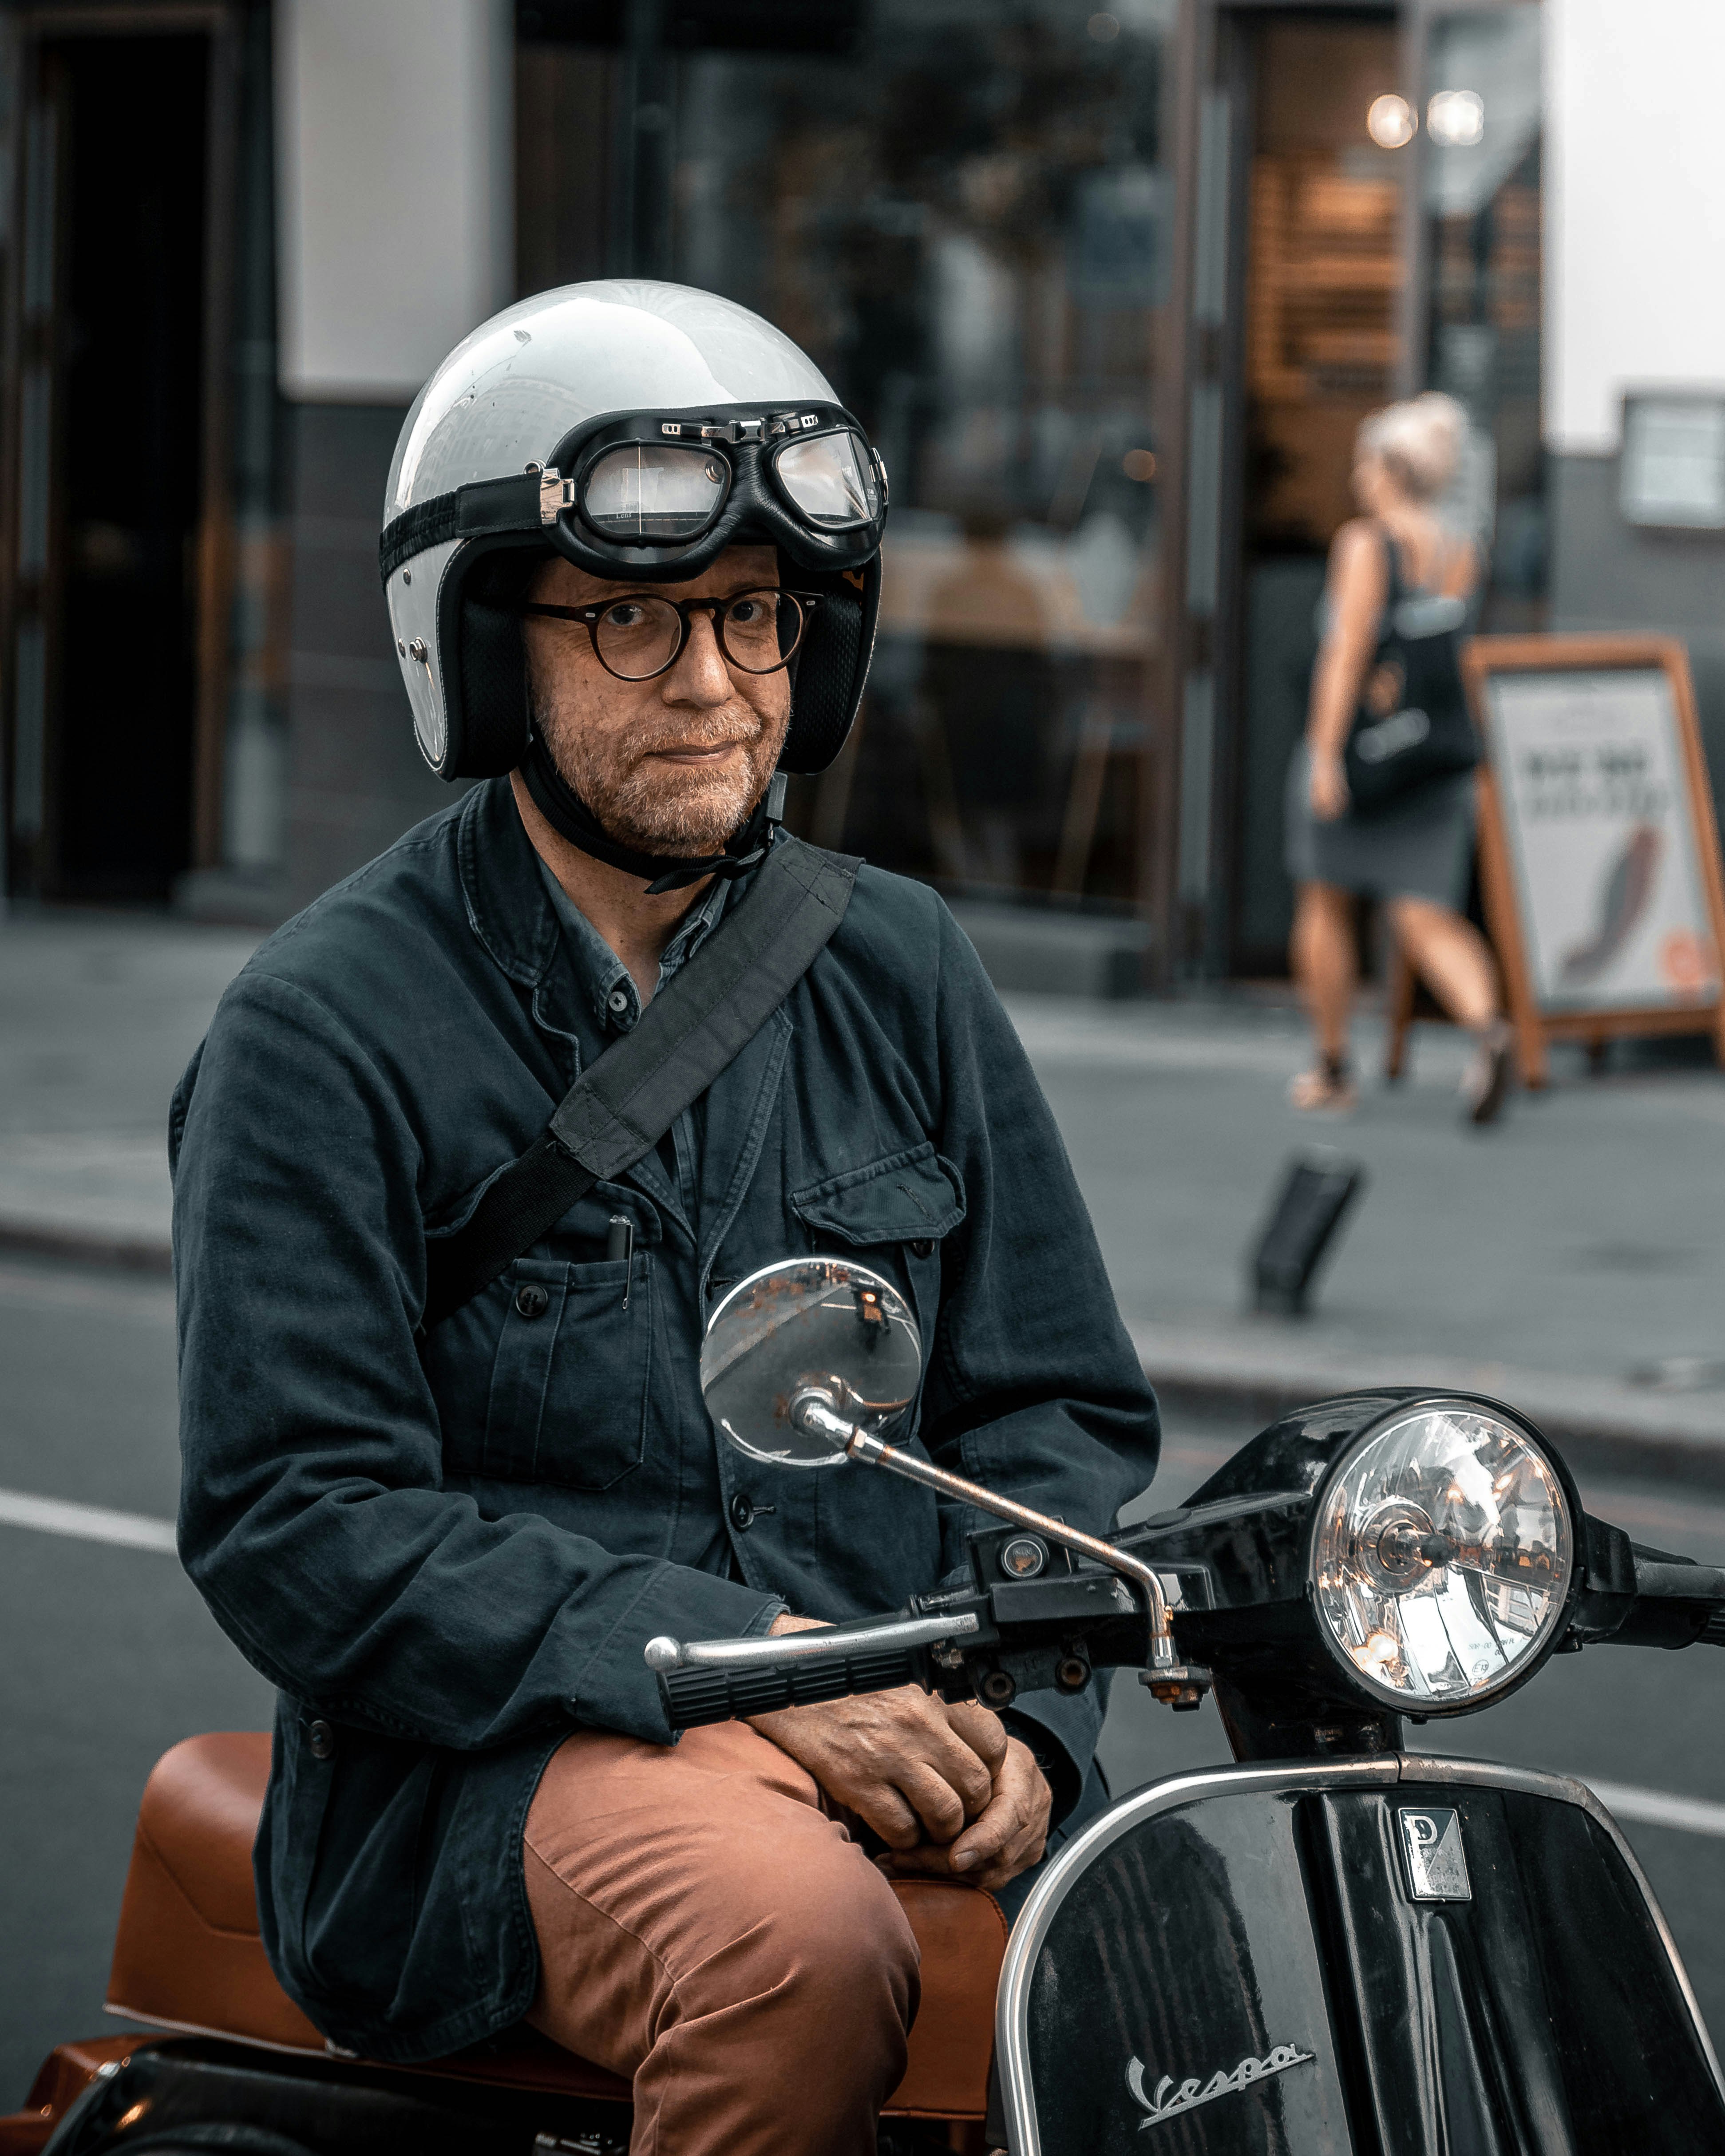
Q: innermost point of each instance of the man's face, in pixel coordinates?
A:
(670, 766)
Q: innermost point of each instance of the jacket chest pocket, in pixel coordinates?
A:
(568, 1397)
(895, 1213)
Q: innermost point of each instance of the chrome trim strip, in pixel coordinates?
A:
(1012, 2001)
(122, 2012)
(1298, 1777)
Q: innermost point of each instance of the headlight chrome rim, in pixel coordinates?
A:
(1400, 1699)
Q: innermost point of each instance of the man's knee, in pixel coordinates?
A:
(832, 1931)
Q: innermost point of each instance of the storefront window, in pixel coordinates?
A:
(964, 219)
(1482, 208)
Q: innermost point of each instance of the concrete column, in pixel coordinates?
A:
(395, 238)
(395, 197)
(1635, 207)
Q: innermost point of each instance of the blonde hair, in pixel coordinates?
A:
(1418, 442)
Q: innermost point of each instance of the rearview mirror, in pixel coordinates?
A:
(808, 1326)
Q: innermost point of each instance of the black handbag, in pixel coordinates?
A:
(1412, 725)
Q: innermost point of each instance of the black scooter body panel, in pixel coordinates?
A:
(1250, 1939)
(185, 2094)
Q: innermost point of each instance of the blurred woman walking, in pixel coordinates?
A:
(1380, 796)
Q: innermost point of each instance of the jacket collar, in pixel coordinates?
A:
(505, 895)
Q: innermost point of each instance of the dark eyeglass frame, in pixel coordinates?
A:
(592, 616)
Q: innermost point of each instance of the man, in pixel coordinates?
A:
(445, 1530)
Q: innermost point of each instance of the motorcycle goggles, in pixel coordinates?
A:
(675, 489)
(661, 495)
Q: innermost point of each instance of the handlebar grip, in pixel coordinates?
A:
(694, 1698)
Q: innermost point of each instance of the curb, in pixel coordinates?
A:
(88, 1246)
(1604, 1426)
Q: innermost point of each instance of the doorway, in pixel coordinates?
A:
(1319, 347)
(111, 593)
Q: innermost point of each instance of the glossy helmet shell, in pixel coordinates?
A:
(497, 410)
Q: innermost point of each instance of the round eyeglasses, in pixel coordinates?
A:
(642, 633)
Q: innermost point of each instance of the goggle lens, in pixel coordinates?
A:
(831, 479)
(641, 490)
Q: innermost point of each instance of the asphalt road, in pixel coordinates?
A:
(107, 1657)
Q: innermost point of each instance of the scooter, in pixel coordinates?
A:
(1335, 1947)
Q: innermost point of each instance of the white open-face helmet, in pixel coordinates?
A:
(637, 429)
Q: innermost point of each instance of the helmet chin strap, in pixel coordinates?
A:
(563, 808)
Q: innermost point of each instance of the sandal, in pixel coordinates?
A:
(1489, 1075)
(1328, 1090)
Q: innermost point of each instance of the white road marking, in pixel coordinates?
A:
(1659, 1807)
(90, 1523)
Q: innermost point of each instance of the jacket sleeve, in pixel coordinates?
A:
(313, 1518)
(1033, 1385)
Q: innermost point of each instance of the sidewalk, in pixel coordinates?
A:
(1561, 1261)
(1570, 1260)
(99, 1016)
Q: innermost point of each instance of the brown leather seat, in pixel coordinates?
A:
(189, 1956)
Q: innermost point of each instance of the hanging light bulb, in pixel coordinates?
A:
(1456, 118)
(1390, 121)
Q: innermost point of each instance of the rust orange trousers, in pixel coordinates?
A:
(708, 1929)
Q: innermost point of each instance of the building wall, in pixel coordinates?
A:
(1635, 234)
(355, 779)
(394, 183)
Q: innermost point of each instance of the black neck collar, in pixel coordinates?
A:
(563, 808)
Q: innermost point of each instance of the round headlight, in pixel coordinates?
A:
(1441, 1558)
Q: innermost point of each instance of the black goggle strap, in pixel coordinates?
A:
(484, 509)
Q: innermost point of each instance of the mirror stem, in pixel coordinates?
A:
(812, 1411)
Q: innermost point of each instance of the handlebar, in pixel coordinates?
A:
(1636, 1596)
(709, 1681)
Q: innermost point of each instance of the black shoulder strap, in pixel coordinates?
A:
(1392, 565)
(618, 1111)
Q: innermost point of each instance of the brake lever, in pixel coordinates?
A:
(663, 1654)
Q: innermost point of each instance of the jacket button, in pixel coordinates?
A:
(532, 1300)
(923, 1247)
(321, 1739)
(742, 1513)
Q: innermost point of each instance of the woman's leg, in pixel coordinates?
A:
(1452, 957)
(1323, 955)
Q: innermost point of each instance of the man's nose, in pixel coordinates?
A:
(701, 675)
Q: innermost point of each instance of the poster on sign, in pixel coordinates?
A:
(1599, 854)
(1596, 807)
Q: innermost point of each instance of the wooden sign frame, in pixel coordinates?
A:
(1482, 658)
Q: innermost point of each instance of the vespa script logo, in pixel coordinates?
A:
(1167, 2102)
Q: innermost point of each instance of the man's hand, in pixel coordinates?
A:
(905, 1764)
(944, 1787)
(1007, 1839)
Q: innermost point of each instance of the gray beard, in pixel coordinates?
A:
(641, 810)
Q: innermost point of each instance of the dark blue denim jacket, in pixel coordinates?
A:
(454, 1552)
